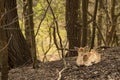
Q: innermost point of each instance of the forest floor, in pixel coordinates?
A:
(107, 69)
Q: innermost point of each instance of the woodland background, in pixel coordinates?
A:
(33, 31)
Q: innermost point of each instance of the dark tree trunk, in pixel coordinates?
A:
(3, 44)
(100, 18)
(84, 21)
(19, 52)
(73, 27)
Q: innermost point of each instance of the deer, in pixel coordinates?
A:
(87, 58)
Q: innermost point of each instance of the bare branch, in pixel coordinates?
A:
(57, 29)
(43, 18)
(89, 14)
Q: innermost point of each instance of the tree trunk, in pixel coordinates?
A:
(112, 30)
(94, 25)
(26, 22)
(73, 27)
(84, 21)
(100, 16)
(3, 43)
(29, 29)
(19, 52)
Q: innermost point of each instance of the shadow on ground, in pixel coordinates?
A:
(107, 69)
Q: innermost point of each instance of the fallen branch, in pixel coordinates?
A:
(60, 73)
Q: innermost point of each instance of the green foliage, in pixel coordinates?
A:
(58, 6)
(43, 36)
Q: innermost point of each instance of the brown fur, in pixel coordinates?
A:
(87, 58)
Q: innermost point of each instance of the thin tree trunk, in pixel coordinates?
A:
(29, 29)
(26, 22)
(94, 25)
(32, 35)
(100, 17)
(114, 21)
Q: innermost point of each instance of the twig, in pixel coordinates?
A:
(50, 44)
(60, 73)
(57, 29)
(43, 18)
(54, 38)
(6, 44)
(7, 13)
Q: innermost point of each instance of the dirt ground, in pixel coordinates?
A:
(107, 69)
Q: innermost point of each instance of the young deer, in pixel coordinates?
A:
(87, 58)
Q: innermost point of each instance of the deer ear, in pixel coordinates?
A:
(81, 49)
(76, 48)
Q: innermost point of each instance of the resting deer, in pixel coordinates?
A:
(87, 58)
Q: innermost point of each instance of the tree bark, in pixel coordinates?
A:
(100, 18)
(3, 43)
(29, 29)
(73, 27)
(112, 30)
(19, 52)
(94, 25)
(84, 21)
